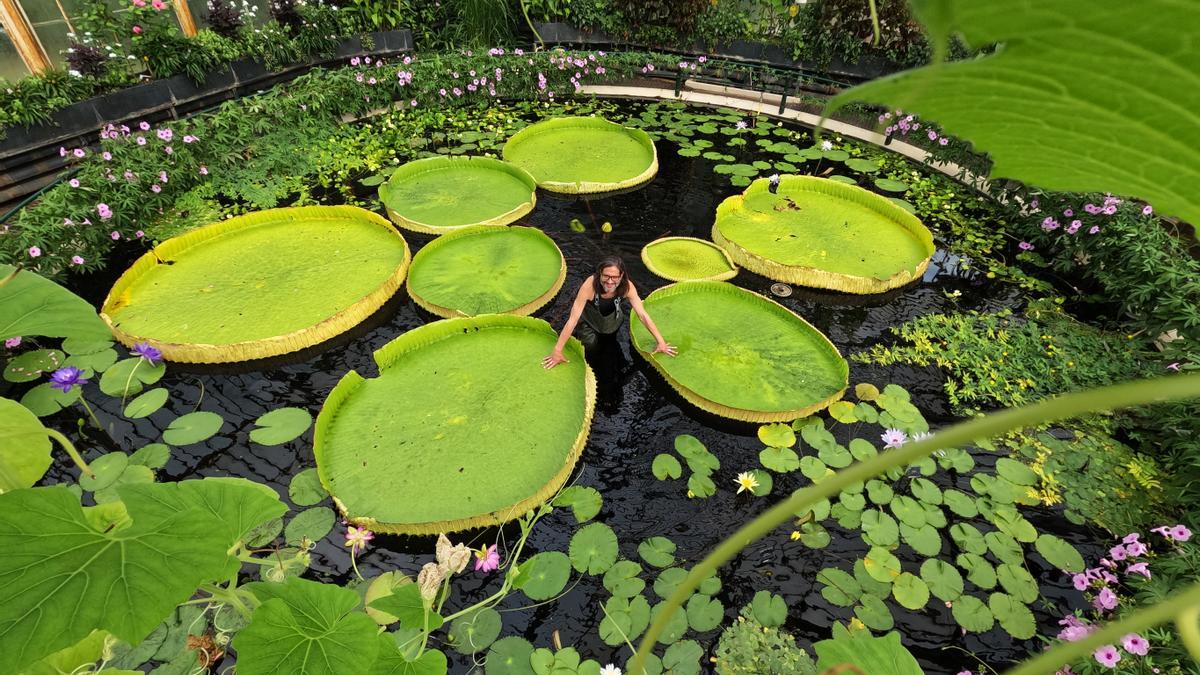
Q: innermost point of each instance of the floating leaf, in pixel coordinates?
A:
(768, 609)
(280, 426)
(863, 165)
(1005, 548)
(593, 549)
(192, 428)
(622, 579)
(881, 564)
(979, 571)
(908, 511)
(305, 489)
(683, 658)
(657, 551)
(943, 579)
(312, 524)
(700, 485)
(835, 456)
(840, 588)
(406, 604)
(474, 632)
(509, 656)
(1012, 523)
(24, 447)
(780, 460)
(873, 612)
(154, 456)
(974, 616)
(585, 502)
(910, 591)
(93, 363)
(1019, 583)
(544, 575)
(704, 613)
(777, 435)
(880, 493)
(128, 377)
(1014, 617)
(866, 654)
(44, 400)
(33, 365)
(854, 502)
(106, 470)
(968, 538)
(666, 466)
(880, 589)
(924, 540)
(889, 185)
(960, 503)
(865, 391)
(880, 529)
(813, 468)
(924, 490)
(668, 580)
(1057, 552)
(765, 483)
(814, 536)
(147, 403)
(862, 449)
(391, 661)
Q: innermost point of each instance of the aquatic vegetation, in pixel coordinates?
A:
(487, 270)
(582, 155)
(258, 285)
(792, 369)
(441, 194)
(688, 259)
(819, 233)
(495, 438)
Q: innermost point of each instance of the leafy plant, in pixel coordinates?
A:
(746, 646)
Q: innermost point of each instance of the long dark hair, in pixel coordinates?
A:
(611, 261)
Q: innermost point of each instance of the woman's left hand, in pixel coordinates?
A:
(665, 348)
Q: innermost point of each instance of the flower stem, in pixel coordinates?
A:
(83, 402)
(71, 451)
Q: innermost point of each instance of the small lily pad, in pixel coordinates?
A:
(593, 549)
(146, 403)
(544, 575)
(313, 524)
(305, 489)
(192, 428)
(280, 426)
(585, 502)
(889, 185)
(666, 466)
(657, 551)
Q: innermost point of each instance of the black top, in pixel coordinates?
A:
(606, 305)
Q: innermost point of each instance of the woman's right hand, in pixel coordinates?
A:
(556, 357)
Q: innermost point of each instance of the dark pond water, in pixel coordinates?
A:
(637, 417)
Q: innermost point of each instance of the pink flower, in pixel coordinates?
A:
(34, 251)
(168, 150)
(355, 61)
(1094, 229)
(139, 234)
(1139, 568)
(62, 152)
(1025, 246)
(893, 438)
(1107, 656)
(156, 188)
(1081, 582)
(78, 260)
(115, 235)
(1147, 210)
(141, 140)
(1068, 213)
(158, 5)
(1105, 599)
(1180, 533)
(104, 211)
(189, 138)
(358, 77)
(442, 91)
(139, 3)
(1117, 553)
(144, 126)
(107, 156)
(1136, 549)
(357, 538)
(1075, 225)
(128, 175)
(203, 170)
(74, 182)
(1135, 644)
(457, 91)
(162, 176)
(413, 103)
(165, 134)
(78, 152)
(487, 559)
(1049, 224)
(137, 30)
(13, 342)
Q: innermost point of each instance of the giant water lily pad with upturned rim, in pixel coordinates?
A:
(824, 234)
(442, 194)
(259, 285)
(487, 270)
(741, 355)
(582, 155)
(463, 427)
(688, 259)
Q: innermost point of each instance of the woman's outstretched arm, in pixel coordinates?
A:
(581, 300)
(663, 347)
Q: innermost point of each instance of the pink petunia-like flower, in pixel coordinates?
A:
(1105, 599)
(1147, 210)
(115, 235)
(1173, 366)
(137, 30)
(144, 126)
(1074, 227)
(13, 342)
(62, 152)
(34, 251)
(188, 138)
(162, 176)
(1135, 644)
(1180, 533)
(104, 211)
(139, 234)
(1068, 213)
(1107, 656)
(1131, 537)
(355, 61)
(1136, 549)
(141, 140)
(1081, 582)
(487, 559)
(76, 260)
(893, 438)
(1095, 229)
(168, 150)
(79, 152)
(1139, 568)
(156, 188)
(107, 156)
(203, 170)
(1025, 246)
(158, 5)
(1117, 553)
(74, 182)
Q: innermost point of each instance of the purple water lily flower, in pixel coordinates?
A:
(148, 352)
(65, 378)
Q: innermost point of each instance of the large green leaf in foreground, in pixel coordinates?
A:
(462, 428)
(1079, 97)
(32, 305)
(24, 447)
(687, 259)
(740, 354)
(821, 233)
(61, 577)
(487, 270)
(579, 155)
(259, 285)
(440, 194)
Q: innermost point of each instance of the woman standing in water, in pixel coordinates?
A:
(597, 311)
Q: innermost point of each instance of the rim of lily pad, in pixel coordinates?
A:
(742, 414)
(394, 353)
(447, 240)
(198, 352)
(550, 126)
(455, 166)
(648, 259)
(818, 278)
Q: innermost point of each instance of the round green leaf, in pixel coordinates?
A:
(129, 376)
(700, 485)
(33, 365)
(305, 489)
(585, 502)
(668, 580)
(1018, 582)
(835, 456)
(280, 426)
(765, 483)
(843, 411)
(854, 502)
(544, 575)
(1005, 548)
(666, 466)
(624, 619)
(968, 538)
(192, 428)
(874, 613)
(704, 613)
(924, 490)
(861, 449)
(1015, 471)
(676, 626)
(24, 447)
(1059, 553)
(908, 511)
(880, 493)
(683, 658)
(107, 469)
(910, 591)
(474, 632)
(814, 536)
(147, 403)
(974, 616)
(935, 517)
(889, 185)
(44, 400)
(768, 609)
(881, 564)
(862, 165)
(924, 540)
(312, 523)
(1014, 617)
(777, 435)
(622, 579)
(960, 503)
(1009, 521)
(880, 589)
(979, 571)
(657, 551)
(840, 588)
(593, 549)
(943, 579)
(813, 468)
(879, 529)
(780, 460)
(509, 656)
(155, 456)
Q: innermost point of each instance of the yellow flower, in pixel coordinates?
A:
(746, 481)
(795, 535)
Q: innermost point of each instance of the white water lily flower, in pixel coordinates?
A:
(746, 481)
(610, 669)
(826, 145)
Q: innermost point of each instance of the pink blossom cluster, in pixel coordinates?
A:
(906, 124)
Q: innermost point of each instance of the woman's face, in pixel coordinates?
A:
(609, 278)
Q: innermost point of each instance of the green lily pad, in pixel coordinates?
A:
(880, 529)
(1017, 581)
(622, 579)
(862, 165)
(440, 194)
(33, 365)
(1059, 553)
(106, 470)
(889, 185)
(410, 609)
(280, 426)
(624, 619)
(943, 579)
(657, 551)
(840, 588)
(676, 625)
(979, 571)
(585, 502)
(968, 538)
(960, 503)
(509, 656)
(666, 466)
(147, 403)
(867, 654)
(874, 613)
(305, 488)
(924, 540)
(544, 575)
(312, 524)
(193, 428)
(704, 613)
(476, 631)
(768, 609)
(154, 456)
(580, 155)
(1014, 617)
(593, 549)
(881, 564)
(128, 377)
(780, 460)
(974, 616)
(910, 591)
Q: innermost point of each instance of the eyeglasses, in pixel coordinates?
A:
(610, 277)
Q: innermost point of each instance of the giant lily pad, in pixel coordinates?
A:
(581, 155)
(741, 355)
(821, 233)
(687, 258)
(259, 285)
(487, 270)
(441, 194)
(462, 428)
